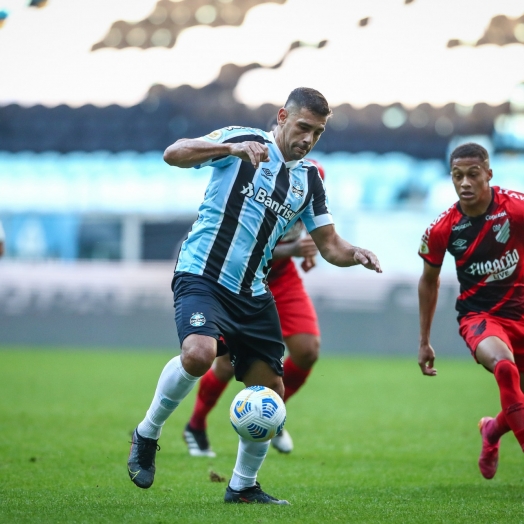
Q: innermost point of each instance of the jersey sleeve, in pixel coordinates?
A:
(434, 243)
(219, 136)
(229, 134)
(515, 202)
(316, 214)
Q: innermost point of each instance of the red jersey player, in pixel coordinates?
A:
(301, 335)
(484, 232)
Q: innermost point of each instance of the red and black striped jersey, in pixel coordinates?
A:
(487, 251)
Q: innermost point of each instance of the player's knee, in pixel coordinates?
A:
(278, 386)
(197, 356)
(311, 352)
(223, 369)
(491, 351)
(307, 351)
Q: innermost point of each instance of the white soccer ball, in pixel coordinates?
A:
(257, 413)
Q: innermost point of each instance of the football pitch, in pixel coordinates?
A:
(375, 441)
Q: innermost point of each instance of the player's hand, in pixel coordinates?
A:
(426, 360)
(253, 152)
(303, 247)
(308, 263)
(367, 259)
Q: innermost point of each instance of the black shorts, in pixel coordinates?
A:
(249, 326)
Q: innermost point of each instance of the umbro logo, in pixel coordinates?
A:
(460, 243)
(266, 173)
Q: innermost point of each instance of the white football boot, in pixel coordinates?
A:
(197, 442)
(283, 442)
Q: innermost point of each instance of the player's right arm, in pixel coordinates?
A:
(188, 152)
(428, 287)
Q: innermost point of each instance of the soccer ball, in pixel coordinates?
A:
(257, 413)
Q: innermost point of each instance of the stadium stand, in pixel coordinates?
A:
(168, 19)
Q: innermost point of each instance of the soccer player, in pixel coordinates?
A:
(299, 328)
(260, 186)
(484, 232)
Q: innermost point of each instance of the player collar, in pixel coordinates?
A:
(494, 202)
(292, 163)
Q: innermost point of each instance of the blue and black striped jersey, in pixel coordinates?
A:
(246, 211)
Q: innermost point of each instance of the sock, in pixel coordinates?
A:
(249, 460)
(294, 378)
(209, 391)
(499, 427)
(173, 386)
(511, 397)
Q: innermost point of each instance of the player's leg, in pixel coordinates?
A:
(211, 387)
(243, 486)
(257, 353)
(299, 327)
(492, 429)
(303, 351)
(301, 335)
(177, 379)
(495, 354)
(497, 357)
(197, 315)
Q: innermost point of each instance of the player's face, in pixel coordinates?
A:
(298, 131)
(471, 179)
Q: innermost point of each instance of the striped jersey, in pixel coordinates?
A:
(488, 250)
(246, 211)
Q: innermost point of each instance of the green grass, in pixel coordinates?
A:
(375, 441)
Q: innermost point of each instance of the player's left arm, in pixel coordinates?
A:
(339, 252)
(301, 247)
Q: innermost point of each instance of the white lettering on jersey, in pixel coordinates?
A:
(512, 194)
(498, 215)
(248, 191)
(498, 269)
(279, 208)
(460, 227)
(425, 236)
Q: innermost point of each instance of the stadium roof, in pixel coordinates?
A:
(377, 52)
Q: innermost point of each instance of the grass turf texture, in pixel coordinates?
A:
(375, 441)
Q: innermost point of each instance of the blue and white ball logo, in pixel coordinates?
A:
(197, 319)
(257, 413)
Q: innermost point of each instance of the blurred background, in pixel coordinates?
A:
(92, 92)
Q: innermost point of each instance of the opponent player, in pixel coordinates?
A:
(484, 232)
(299, 328)
(260, 186)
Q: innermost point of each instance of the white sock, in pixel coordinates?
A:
(249, 460)
(173, 386)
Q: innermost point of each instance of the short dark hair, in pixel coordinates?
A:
(310, 99)
(469, 150)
